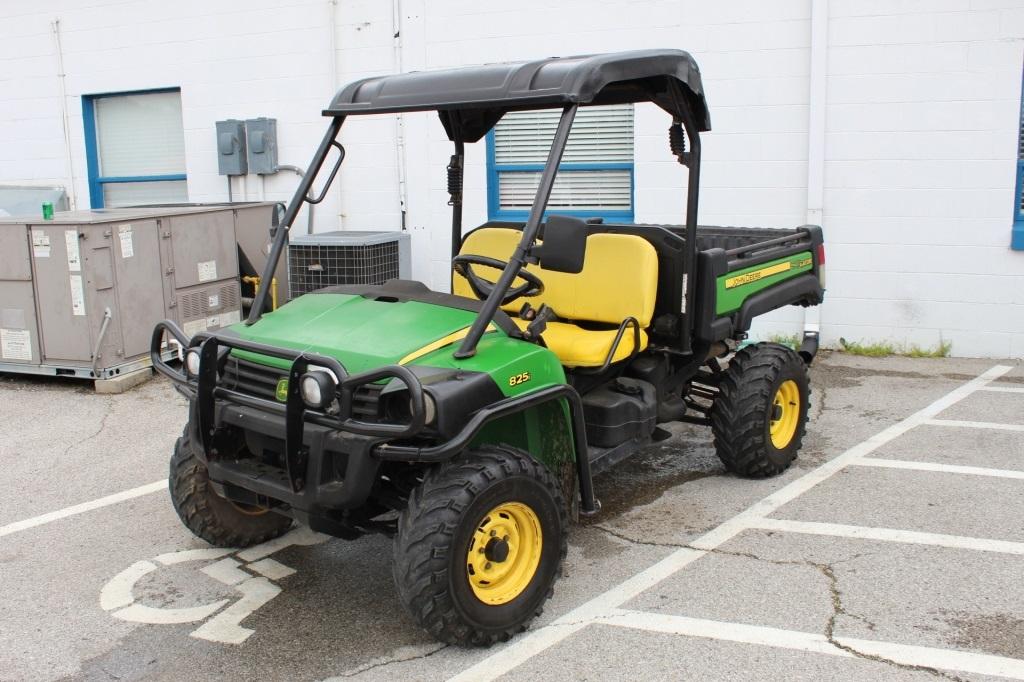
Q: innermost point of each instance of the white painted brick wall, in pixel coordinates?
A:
(923, 107)
(921, 124)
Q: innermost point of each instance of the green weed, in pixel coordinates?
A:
(881, 349)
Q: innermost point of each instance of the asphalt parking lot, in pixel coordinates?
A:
(892, 549)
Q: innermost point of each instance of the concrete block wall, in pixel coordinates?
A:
(921, 142)
(922, 110)
(231, 60)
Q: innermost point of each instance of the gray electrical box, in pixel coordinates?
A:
(231, 159)
(261, 134)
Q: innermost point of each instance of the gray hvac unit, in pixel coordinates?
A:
(80, 294)
(327, 259)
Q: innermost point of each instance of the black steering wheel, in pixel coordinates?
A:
(532, 286)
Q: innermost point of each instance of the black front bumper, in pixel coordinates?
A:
(328, 459)
(337, 472)
(331, 460)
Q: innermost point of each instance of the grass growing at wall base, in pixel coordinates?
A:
(881, 349)
(876, 349)
(790, 340)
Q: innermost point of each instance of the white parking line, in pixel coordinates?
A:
(1003, 389)
(537, 641)
(975, 425)
(49, 517)
(934, 466)
(890, 535)
(964, 661)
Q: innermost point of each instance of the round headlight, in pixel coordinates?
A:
(192, 362)
(316, 388)
(429, 408)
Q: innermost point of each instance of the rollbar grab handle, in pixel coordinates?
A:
(300, 197)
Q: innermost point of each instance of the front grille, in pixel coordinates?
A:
(366, 405)
(260, 381)
(252, 379)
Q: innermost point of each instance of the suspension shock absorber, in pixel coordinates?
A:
(455, 180)
(677, 142)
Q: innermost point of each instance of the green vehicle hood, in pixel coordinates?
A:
(361, 333)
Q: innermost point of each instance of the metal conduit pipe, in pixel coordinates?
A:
(309, 207)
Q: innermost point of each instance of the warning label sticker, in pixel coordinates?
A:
(77, 296)
(40, 244)
(15, 344)
(207, 270)
(74, 256)
(124, 234)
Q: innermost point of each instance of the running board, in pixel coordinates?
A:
(602, 459)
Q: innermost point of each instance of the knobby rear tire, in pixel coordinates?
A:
(742, 413)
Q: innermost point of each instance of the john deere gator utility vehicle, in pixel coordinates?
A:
(469, 425)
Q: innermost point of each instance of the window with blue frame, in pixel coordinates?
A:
(1017, 233)
(135, 148)
(595, 178)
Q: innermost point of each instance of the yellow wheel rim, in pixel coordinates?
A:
(785, 414)
(504, 553)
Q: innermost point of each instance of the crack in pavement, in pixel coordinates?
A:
(382, 663)
(828, 571)
(108, 410)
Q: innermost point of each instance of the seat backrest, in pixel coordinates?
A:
(619, 277)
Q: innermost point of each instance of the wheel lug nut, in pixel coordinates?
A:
(493, 533)
(505, 538)
(487, 566)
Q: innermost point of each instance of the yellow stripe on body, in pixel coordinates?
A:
(740, 280)
(440, 343)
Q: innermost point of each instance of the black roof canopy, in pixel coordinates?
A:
(470, 100)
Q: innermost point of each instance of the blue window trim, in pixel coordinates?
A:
(92, 158)
(495, 212)
(1017, 232)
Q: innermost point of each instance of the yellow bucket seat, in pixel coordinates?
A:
(619, 280)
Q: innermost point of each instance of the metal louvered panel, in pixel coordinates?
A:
(1020, 165)
(1020, 136)
(574, 189)
(599, 135)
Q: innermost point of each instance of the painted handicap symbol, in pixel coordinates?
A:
(251, 571)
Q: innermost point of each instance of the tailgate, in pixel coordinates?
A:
(755, 276)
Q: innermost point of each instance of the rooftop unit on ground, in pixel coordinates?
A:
(80, 294)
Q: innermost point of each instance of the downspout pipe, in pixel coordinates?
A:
(400, 159)
(816, 148)
(65, 121)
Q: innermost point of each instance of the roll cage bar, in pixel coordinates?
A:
(471, 100)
